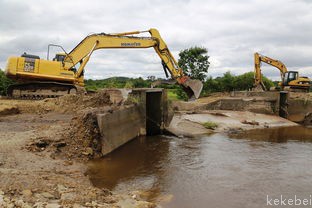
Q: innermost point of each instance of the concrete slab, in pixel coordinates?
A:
(185, 124)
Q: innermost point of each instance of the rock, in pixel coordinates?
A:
(10, 205)
(47, 109)
(106, 192)
(47, 195)
(1, 200)
(26, 206)
(91, 194)
(143, 204)
(61, 188)
(39, 205)
(53, 206)
(89, 151)
(60, 144)
(19, 203)
(42, 143)
(78, 206)
(68, 163)
(67, 196)
(27, 193)
(253, 122)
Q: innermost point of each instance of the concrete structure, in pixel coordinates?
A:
(154, 108)
(300, 109)
(119, 127)
(283, 104)
(191, 124)
(269, 94)
(147, 116)
(263, 105)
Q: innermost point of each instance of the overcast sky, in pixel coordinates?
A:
(231, 30)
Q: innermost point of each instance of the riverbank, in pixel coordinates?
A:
(42, 157)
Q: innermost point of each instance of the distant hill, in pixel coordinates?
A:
(116, 82)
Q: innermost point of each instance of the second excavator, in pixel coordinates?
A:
(65, 73)
(290, 80)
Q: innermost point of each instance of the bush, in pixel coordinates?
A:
(229, 82)
(181, 94)
(4, 83)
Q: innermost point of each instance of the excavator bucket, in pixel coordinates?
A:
(193, 88)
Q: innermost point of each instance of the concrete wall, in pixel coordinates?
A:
(261, 105)
(269, 94)
(298, 109)
(299, 104)
(123, 125)
(119, 127)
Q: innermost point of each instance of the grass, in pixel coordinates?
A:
(172, 95)
(210, 125)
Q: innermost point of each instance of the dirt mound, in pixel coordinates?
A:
(83, 137)
(64, 104)
(8, 110)
(74, 103)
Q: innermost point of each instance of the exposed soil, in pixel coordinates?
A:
(42, 148)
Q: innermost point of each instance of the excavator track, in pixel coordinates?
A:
(40, 90)
(296, 89)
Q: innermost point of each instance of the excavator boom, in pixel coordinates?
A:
(84, 49)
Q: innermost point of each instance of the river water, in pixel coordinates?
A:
(240, 170)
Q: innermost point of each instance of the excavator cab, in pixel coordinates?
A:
(291, 80)
(290, 76)
(59, 57)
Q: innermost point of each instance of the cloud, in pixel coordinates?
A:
(231, 30)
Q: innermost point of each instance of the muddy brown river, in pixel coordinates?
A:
(250, 169)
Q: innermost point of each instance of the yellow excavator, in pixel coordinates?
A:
(39, 78)
(290, 80)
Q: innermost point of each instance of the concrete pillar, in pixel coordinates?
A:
(283, 104)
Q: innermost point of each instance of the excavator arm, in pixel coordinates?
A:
(258, 76)
(83, 51)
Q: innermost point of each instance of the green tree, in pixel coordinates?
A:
(129, 84)
(140, 82)
(229, 82)
(194, 62)
(267, 82)
(244, 81)
(4, 83)
(211, 85)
